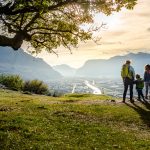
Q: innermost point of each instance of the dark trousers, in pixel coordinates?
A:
(147, 86)
(140, 94)
(128, 83)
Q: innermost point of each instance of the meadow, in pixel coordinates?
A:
(72, 122)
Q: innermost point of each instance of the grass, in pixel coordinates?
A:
(72, 122)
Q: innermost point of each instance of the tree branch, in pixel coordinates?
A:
(32, 21)
(9, 11)
(14, 42)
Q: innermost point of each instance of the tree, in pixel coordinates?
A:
(51, 23)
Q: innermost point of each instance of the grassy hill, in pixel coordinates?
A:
(77, 122)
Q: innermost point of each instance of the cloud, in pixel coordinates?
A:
(111, 43)
(118, 33)
(148, 29)
(145, 14)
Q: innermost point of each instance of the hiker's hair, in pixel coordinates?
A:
(128, 61)
(147, 67)
(137, 76)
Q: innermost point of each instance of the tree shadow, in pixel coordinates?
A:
(144, 113)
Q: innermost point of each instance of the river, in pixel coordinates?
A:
(95, 89)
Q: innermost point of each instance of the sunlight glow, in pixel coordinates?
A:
(126, 31)
(112, 22)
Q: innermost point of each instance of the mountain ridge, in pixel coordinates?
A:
(90, 67)
(65, 70)
(24, 64)
(111, 67)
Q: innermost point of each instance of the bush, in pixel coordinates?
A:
(14, 82)
(36, 86)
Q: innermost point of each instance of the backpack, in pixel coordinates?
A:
(126, 72)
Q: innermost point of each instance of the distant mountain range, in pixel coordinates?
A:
(65, 70)
(112, 67)
(29, 67)
(109, 68)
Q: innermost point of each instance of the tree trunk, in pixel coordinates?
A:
(14, 42)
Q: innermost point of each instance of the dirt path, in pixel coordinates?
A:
(95, 102)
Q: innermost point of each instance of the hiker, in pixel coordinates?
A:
(147, 79)
(128, 75)
(139, 87)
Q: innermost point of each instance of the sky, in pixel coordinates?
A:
(126, 31)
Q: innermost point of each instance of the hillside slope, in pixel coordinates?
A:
(29, 67)
(72, 122)
(65, 70)
(111, 67)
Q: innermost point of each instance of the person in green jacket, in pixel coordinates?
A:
(128, 74)
(139, 87)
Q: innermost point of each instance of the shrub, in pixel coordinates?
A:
(57, 94)
(14, 82)
(36, 86)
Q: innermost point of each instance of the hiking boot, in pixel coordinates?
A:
(132, 101)
(144, 100)
(139, 99)
(123, 101)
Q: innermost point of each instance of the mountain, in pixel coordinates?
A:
(29, 67)
(65, 70)
(112, 67)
